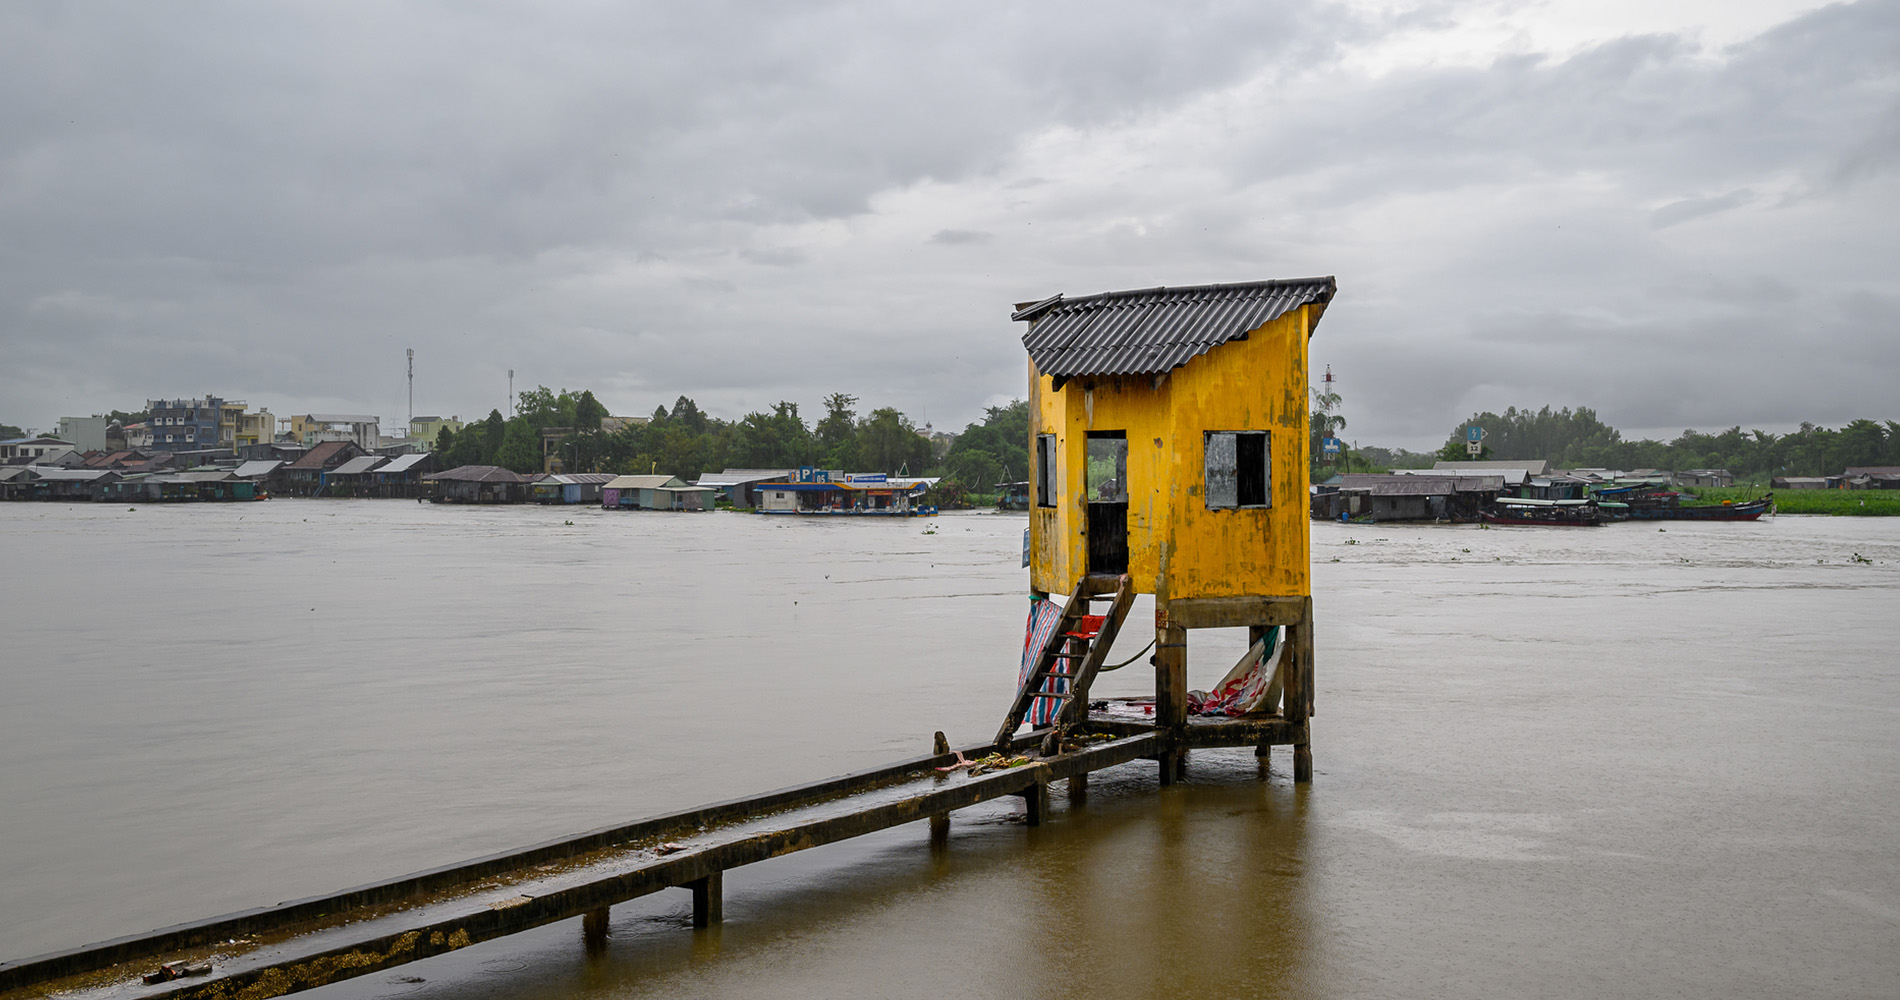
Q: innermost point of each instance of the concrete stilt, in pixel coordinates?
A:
(594, 930)
(708, 907)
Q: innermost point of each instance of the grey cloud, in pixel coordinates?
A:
(961, 237)
(274, 201)
(1678, 212)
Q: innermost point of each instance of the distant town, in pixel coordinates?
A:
(566, 447)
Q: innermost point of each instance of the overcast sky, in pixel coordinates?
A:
(1682, 214)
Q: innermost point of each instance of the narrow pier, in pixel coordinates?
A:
(306, 943)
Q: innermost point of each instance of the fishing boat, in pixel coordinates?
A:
(1529, 512)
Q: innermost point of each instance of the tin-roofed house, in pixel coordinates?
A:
(741, 486)
(402, 476)
(1168, 446)
(52, 483)
(569, 487)
(309, 474)
(352, 478)
(477, 484)
(654, 492)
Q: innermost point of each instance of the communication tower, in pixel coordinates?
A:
(412, 387)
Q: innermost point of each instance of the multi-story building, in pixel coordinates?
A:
(311, 429)
(86, 433)
(188, 424)
(424, 430)
(254, 428)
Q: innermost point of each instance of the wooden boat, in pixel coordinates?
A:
(1748, 510)
(1527, 512)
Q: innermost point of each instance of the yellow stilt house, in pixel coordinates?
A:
(1168, 438)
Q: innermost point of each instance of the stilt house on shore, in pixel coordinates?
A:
(1168, 435)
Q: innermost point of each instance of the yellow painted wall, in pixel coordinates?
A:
(1178, 548)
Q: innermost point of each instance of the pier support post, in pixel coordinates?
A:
(1297, 673)
(708, 908)
(1078, 789)
(1036, 801)
(1170, 693)
(594, 930)
(940, 822)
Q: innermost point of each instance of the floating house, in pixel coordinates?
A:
(822, 491)
(352, 478)
(1168, 439)
(52, 483)
(308, 475)
(402, 476)
(653, 492)
(1382, 497)
(740, 487)
(569, 487)
(477, 484)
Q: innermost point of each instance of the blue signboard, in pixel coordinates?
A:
(1474, 434)
(1329, 446)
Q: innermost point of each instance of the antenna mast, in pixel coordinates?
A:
(412, 390)
(511, 392)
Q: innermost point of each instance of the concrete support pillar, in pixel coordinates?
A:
(594, 930)
(708, 908)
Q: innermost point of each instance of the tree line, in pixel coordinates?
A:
(687, 442)
(1578, 439)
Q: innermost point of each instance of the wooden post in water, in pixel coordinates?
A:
(939, 822)
(1264, 751)
(1078, 789)
(1298, 673)
(594, 930)
(1170, 691)
(1036, 801)
(708, 907)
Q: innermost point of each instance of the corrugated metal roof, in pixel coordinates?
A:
(643, 482)
(1155, 330)
(403, 463)
(53, 474)
(357, 466)
(477, 474)
(257, 468)
(1386, 485)
(734, 477)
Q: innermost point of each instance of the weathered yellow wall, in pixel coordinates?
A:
(1177, 547)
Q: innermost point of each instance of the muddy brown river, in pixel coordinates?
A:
(1583, 763)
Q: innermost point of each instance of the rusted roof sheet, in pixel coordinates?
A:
(1386, 485)
(477, 474)
(321, 455)
(1156, 330)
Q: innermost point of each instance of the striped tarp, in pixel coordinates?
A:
(1044, 615)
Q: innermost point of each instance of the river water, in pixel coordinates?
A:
(1621, 761)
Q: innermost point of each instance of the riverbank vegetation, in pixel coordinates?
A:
(685, 441)
(1843, 503)
(1577, 439)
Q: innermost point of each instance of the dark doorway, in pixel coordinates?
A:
(1107, 486)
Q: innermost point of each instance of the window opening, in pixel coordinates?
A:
(1108, 467)
(1239, 470)
(1045, 470)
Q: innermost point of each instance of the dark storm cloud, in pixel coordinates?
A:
(747, 203)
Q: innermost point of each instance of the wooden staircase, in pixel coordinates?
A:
(1080, 642)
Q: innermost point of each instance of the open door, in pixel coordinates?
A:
(1107, 484)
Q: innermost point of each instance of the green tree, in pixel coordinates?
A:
(836, 436)
(773, 440)
(520, 447)
(889, 442)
